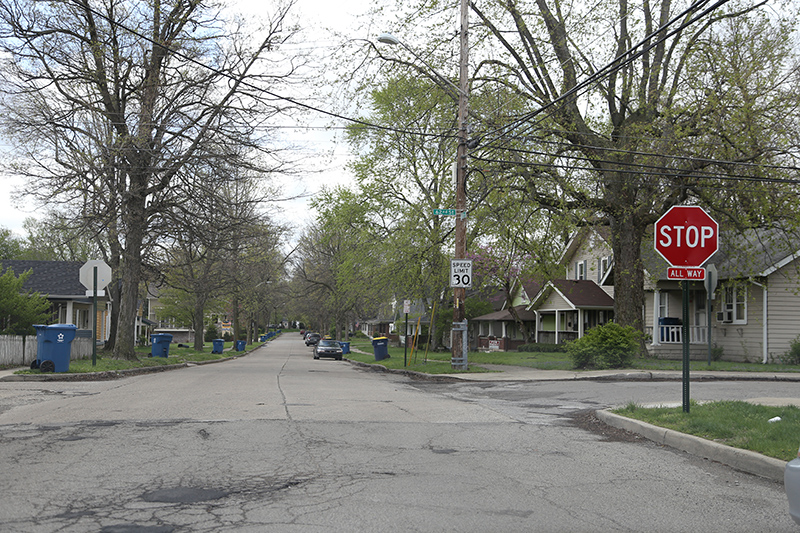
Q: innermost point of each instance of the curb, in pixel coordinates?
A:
(375, 367)
(111, 374)
(743, 460)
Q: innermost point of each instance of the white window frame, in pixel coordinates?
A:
(663, 304)
(736, 303)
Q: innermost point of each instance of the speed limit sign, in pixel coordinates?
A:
(461, 273)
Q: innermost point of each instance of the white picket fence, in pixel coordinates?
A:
(17, 350)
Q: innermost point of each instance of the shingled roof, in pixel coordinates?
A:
(582, 294)
(54, 279)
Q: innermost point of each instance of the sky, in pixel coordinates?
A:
(315, 16)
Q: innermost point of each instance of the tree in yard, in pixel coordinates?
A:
(56, 238)
(114, 105)
(630, 108)
(20, 309)
(10, 246)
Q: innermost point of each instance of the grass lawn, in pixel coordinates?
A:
(560, 360)
(733, 423)
(176, 356)
(398, 359)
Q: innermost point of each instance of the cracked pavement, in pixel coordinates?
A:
(278, 441)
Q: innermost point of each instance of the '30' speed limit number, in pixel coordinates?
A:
(461, 273)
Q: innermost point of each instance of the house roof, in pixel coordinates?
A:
(55, 279)
(582, 293)
(754, 252)
(583, 234)
(504, 315)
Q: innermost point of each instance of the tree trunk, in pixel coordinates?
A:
(198, 323)
(131, 269)
(626, 241)
(126, 331)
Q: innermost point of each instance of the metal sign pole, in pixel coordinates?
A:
(94, 318)
(685, 331)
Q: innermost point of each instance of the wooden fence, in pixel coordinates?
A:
(19, 350)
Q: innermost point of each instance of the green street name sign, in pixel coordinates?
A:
(445, 212)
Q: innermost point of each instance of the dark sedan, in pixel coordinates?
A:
(328, 348)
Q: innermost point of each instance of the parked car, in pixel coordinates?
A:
(791, 484)
(328, 348)
(312, 339)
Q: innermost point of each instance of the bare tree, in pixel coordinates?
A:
(116, 103)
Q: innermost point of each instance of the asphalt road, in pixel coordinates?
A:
(276, 441)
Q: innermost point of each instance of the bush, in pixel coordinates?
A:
(606, 346)
(542, 347)
(792, 356)
(211, 333)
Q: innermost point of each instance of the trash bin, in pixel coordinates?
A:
(240, 345)
(345, 347)
(53, 347)
(218, 345)
(380, 345)
(160, 342)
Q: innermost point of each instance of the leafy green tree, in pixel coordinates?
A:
(57, 238)
(20, 309)
(630, 108)
(10, 245)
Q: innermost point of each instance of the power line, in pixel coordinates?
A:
(245, 83)
(618, 62)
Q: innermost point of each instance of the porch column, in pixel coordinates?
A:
(656, 333)
(558, 323)
(580, 322)
(505, 325)
(68, 318)
(536, 327)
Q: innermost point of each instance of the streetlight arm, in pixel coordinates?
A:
(388, 38)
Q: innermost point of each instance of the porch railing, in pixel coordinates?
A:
(549, 337)
(674, 334)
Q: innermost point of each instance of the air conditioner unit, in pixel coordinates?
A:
(726, 317)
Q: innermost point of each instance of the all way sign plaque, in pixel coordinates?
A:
(686, 273)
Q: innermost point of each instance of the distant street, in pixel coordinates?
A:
(276, 441)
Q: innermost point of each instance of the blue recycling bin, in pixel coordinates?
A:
(380, 346)
(53, 347)
(160, 342)
(345, 347)
(240, 345)
(218, 345)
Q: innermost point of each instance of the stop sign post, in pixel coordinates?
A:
(686, 237)
(94, 275)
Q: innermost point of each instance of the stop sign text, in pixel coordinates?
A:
(686, 236)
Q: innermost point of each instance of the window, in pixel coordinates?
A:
(603, 265)
(736, 304)
(663, 304)
(580, 270)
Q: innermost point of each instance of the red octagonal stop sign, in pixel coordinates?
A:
(686, 236)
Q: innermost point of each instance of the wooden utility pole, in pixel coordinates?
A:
(459, 359)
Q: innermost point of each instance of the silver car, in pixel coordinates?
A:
(791, 483)
(328, 348)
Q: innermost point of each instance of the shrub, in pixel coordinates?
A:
(211, 333)
(792, 356)
(606, 346)
(717, 352)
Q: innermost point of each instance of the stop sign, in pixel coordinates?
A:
(86, 274)
(686, 236)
